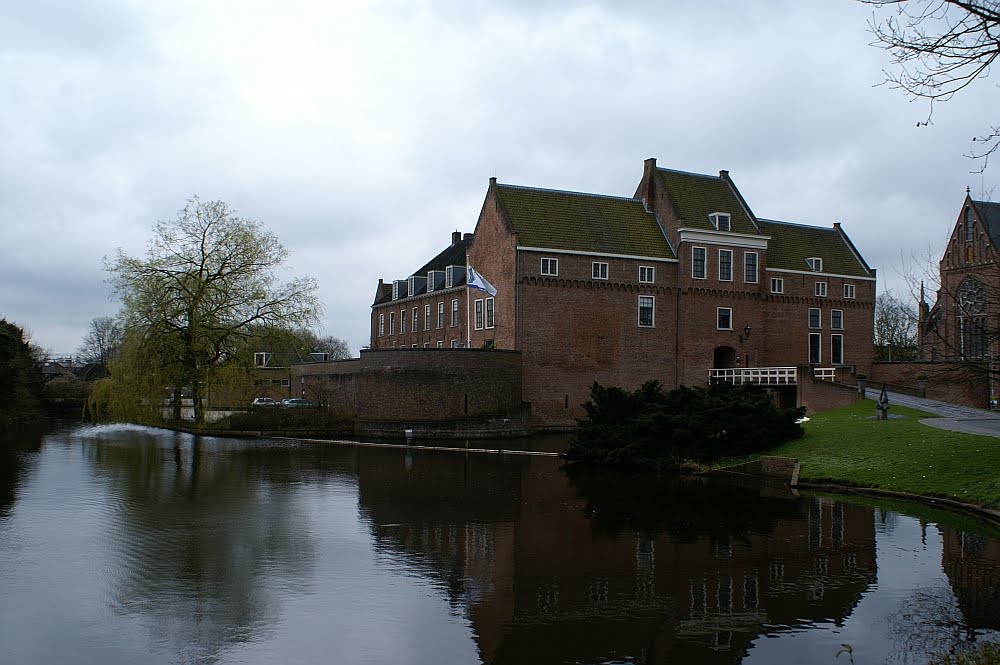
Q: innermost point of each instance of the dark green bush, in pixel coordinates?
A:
(652, 428)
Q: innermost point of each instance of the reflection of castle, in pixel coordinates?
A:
(545, 572)
(972, 561)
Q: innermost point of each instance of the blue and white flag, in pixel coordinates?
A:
(477, 281)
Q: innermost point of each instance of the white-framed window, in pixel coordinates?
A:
(454, 344)
(724, 318)
(452, 276)
(815, 263)
(698, 260)
(647, 311)
(849, 291)
(440, 315)
(821, 289)
(440, 344)
(720, 220)
(837, 349)
(285, 383)
(261, 359)
(599, 270)
(454, 312)
(479, 314)
(777, 285)
(550, 267)
(815, 348)
(427, 316)
(647, 274)
(836, 319)
(413, 346)
(815, 317)
(402, 322)
(725, 265)
(392, 324)
(381, 324)
(750, 267)
(416, 320)
(489, 312)
(427, 345)
(394, 344)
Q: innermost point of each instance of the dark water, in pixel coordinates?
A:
(132, 545)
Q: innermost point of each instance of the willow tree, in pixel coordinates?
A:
(208, 281)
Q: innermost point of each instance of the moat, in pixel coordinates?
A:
(124, 544)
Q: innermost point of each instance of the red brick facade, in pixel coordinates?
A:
(574, 311)
(958, 334)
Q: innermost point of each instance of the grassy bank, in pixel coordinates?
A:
(849, 447)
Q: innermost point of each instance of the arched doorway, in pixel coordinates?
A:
(724, 357)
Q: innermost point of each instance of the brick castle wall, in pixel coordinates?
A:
(438, 384)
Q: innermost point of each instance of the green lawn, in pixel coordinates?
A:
(849, 447)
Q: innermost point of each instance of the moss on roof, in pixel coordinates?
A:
(696, 196)
(574, 221)
(791, 244)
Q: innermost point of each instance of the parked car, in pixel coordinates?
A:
(264, 403)
(297, 403)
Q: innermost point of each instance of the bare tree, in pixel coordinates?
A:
(335, 347)
(939, 48)
(103, 341)
(895, 329)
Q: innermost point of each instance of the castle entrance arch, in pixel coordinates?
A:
(724, 357)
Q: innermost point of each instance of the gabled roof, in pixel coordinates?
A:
(791, 244)
(574, 221)
(989, 212)
(696, 196)
(452, 255)
(383, 293)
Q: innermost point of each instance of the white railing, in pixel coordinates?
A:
(825, 373)
(758, 376)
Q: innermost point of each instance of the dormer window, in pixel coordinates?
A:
(815, 264)
(399, 289)
(720, 221)
(453, 276)
(261, 359)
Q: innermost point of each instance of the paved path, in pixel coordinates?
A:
(951, 416)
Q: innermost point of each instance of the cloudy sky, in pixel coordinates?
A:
(364, 132)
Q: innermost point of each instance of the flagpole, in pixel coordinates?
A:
(468, 320)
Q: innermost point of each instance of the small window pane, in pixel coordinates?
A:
(698, 262)
(646, 307)
(725, 265)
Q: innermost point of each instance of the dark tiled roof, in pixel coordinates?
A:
(573, 221)
(383, 293)
(696, 196)
(791, 244)
(990, 214)
(453, 255)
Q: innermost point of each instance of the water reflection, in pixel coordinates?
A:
(614, 566)
(184, 549)
(18, 453)
(193, 534)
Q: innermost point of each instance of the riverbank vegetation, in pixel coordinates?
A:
(849, 447)
(21, 380)
(652, 428)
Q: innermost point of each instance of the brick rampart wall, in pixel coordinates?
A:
(818, 395)
(946, 382)
(438, 384)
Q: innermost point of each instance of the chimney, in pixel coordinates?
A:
(493, 181)
(836, 225)
(456, 237)
(724, 174)
(468, 236)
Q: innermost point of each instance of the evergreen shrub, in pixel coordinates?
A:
(649, 427)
